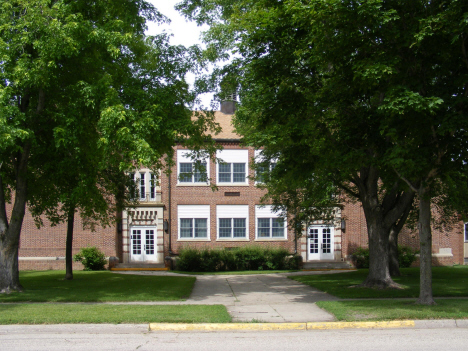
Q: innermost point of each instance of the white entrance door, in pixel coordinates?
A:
(320, 243)
(143, 244)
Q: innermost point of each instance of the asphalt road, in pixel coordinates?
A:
(137, 337)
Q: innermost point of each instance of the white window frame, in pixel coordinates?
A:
(232, 157)
(266, 212)
(183, 156)
(259, 158)
(193, 212)
(145, 184)
(232, 212)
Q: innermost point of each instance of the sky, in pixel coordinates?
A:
(184, 33)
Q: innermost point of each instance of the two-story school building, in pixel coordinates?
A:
(184, 209)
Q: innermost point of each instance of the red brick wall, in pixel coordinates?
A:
(356, 236)
(50, 241)
(203, 195)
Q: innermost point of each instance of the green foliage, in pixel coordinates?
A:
(91, 258)
(360, 257)
(406, 257)
(238, 259)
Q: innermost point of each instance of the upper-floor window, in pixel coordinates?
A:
(232, 167)
(145, 185)
(269, 224)
(262, 169)
(466, 231)
(191, 171)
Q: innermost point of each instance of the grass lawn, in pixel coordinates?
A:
(40, 313)
(381, 310)
(446, 282)
(102, 286)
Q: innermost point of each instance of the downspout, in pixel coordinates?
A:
(169, 213)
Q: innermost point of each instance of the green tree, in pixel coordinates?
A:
(337, 89)
(72, 67)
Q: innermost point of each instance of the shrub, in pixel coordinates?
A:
(91, 258)
(406, 256)
(237, 259)
(360, 257)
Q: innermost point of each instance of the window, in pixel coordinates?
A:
(466, 231)
(143, 181)
(232, 167)
(193, 221)
(232, 228)
(269, 224)
(142, 186)
(232, 221)
(191, 171)
(262, 169)
(152, 186)
(193, 228)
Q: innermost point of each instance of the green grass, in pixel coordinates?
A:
(381, 310)
(39, 313)
(102, 286)
(446, 282)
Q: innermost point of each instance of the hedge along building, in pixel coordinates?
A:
(182, 209)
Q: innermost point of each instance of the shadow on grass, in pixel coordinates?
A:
(446, 282)
(49, 286)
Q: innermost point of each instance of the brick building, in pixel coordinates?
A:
(183, 209)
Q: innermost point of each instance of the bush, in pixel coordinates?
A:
(237, 259)
(360, 258)
(406, 256)
(91, 258)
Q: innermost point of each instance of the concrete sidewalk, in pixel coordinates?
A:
(271, 298)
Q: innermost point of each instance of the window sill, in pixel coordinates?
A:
(193, 184)
(271, 239)
(232, 239)
(193, 239)
(232, 184)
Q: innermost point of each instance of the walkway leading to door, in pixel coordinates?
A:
(259, 297)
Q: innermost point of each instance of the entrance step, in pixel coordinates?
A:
(139, 267)
(320, 265)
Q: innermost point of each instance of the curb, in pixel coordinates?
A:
(277, 326)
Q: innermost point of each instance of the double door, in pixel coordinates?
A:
(320, 243)
(143, 244)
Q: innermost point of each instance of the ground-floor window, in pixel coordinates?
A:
(269, 223)
(193, 221)
(232, 221)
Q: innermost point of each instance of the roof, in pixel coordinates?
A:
(225, 122)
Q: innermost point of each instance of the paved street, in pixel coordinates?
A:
(137, 337)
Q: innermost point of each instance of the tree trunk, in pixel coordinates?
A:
(10, 232)
(379, 273)
(9, 273)
(425, 258)
(69, 244)
(393, 264)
